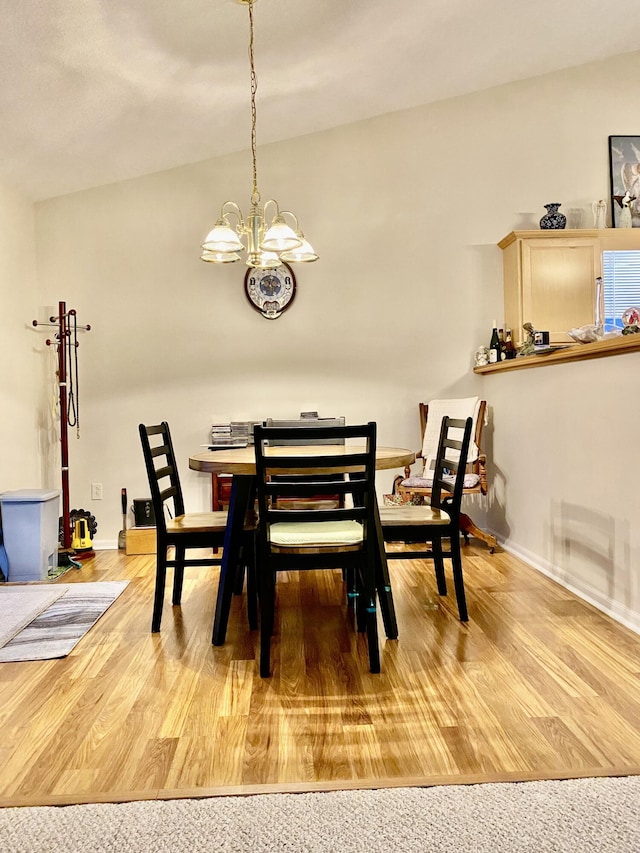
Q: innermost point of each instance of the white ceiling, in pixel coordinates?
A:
(96, 91)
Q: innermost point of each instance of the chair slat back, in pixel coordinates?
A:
(287, 467)
(302, 437)
(446, 494)
(162, 471)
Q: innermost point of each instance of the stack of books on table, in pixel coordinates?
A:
(243, 431)
(233, 434)
(221, 436)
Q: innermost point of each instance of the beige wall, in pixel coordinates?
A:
(20, 465)
(565, 496)
(405, 211)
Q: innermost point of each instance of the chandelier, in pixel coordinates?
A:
(267, 243)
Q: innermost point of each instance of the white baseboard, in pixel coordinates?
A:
(105, 545)
(629, 618)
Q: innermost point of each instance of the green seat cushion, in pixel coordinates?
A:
(329, 533)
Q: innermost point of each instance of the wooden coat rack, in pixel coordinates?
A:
(66, 342)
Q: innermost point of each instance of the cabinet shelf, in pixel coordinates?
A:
(609, 239)
(578, 352)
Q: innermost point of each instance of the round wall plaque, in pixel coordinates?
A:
(270, 291)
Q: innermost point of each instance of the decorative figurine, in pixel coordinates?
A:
(482, 356)
(625, 214)
(528, 347)
(631, 321)
(599, 209)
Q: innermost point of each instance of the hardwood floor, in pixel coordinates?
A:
(538, 685)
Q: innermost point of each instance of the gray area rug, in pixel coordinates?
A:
(595, 815)
(55, 632)
(19, 605)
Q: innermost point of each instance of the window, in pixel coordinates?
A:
(621, 285)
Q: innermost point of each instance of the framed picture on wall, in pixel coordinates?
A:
(624, 175)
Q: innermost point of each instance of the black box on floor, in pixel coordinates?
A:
(143, 513)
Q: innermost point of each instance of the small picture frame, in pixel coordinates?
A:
(624, 176)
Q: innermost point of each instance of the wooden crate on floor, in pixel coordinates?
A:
(140, 540)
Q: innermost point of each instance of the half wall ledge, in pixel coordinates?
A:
(578, 352)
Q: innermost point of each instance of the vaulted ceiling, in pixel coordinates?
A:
(96, 91)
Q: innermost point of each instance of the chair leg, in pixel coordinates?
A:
(361, 616)
(438, 563)
(178, 575)
(349, 577)
(370, 615)
(267, 606)
(383, 585)
(372, 637)
(468, 528)
(458, 578)
(161, 577)
(238, 583)
(252, 590)
(366, 610)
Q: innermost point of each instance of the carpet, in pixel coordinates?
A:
(19, 605)
(577, 815)
(55, 632)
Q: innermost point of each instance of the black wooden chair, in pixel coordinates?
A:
(475, 481)
(323, 501)
(441, 518)
(309, 537)
(185, 530)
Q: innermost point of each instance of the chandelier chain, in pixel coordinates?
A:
(268, 242)
(255, 196)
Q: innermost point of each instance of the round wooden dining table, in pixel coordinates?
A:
(242, 460)
(241, 463)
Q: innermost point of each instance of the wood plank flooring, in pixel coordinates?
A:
(538, 685)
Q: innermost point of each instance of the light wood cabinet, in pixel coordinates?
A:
(550, 277)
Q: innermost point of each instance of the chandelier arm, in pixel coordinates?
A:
(235, 210)
(266, 205)
(292, 215)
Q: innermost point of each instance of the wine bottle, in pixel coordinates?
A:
(509, 346)
(495, 351)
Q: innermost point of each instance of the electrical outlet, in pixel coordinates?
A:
(96, 491)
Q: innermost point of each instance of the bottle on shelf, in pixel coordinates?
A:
(509, 346)
(495, 350)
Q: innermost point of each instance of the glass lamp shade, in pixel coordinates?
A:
(222, 238)
(303, 254)
(263, 260)
(219, 257)
(280, 237)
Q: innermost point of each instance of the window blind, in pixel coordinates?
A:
(620, 283)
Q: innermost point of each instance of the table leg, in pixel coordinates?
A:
(242, 496)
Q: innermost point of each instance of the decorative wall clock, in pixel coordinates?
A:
(270, 291)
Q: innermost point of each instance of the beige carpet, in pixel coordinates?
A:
(580, 816)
